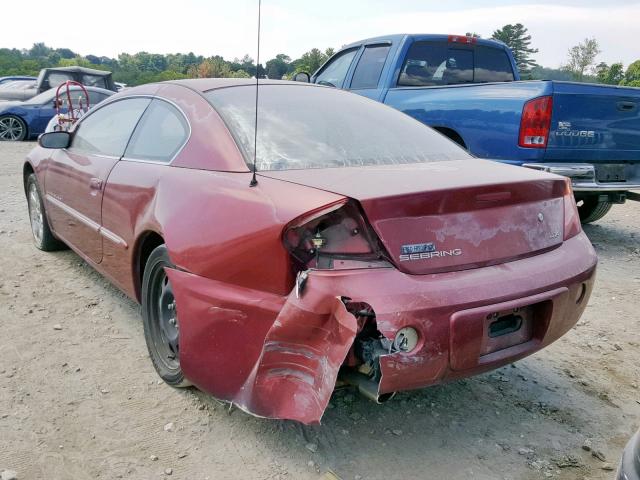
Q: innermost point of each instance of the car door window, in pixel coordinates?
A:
(370, 67)
(96, 97)
(434, 63)
(160, 134)
(334, 73)
(107, 130)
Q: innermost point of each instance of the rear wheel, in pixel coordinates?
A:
(160, 318)
(12, 128)
(592, 209)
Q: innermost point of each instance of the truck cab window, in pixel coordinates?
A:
(370, 66)
(334, 73)
(492, 65)
(434, 63)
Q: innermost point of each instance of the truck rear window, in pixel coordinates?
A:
(439, 63)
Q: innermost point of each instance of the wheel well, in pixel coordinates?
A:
(147, 243)
(451, 135)
(27, 170)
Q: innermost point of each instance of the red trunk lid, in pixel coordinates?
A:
(449, 216)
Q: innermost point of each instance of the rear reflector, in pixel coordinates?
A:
(536, 123)
(572, 225)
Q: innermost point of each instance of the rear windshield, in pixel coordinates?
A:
(303, 127)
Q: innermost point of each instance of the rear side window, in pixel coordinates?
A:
(370, 67)
(336, 70)
(93, 81)
(58, 78)
(492, 65)
(107, 130)
(161, 133)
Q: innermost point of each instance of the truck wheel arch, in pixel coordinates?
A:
(452, 135)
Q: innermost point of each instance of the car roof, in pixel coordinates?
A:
(90, 71)
(206, 84)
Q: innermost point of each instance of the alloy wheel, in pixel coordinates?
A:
(11, 128)
(35, 214)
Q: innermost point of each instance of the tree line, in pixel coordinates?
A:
(143, 67)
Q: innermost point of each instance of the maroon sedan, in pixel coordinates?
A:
(372, 250)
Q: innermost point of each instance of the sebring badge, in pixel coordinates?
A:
(425, 251)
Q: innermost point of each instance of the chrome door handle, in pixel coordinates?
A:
(95, 184)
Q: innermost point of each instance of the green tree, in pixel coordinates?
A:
(39, 50)
(611, 75)
(582, 57)
(517, 38)
(278, 67)
(632, 75)
(311, 61)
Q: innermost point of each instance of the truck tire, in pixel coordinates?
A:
(591, 209)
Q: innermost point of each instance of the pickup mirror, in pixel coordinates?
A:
(55, 140)
(303, 77)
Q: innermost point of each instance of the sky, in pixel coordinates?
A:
(229, 28)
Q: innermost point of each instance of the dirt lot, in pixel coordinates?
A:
(79, 398)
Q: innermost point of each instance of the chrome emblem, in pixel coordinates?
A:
(540, 217)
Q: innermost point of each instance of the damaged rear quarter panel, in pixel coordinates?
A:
(273, 356)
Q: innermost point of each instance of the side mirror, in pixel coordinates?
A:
(55, 140)
(303, 77)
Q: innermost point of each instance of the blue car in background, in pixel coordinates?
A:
(25, 120)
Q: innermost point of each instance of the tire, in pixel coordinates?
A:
(12, 128)
(591, 209)
(42, 235)
(160, 319)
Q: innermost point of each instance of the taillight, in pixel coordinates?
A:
(536, 123)
(337, 231)
(572, 225)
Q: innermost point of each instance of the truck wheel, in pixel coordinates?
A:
(591, 209)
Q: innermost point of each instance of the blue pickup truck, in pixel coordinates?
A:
(469, 89)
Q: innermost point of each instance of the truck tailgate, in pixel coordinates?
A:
(594, 123)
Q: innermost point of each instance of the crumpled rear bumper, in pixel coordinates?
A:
(279, 357)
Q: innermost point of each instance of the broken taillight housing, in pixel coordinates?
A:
(536, 123)
(572, 225)
(338, 231)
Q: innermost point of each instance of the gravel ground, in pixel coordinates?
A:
(79, 398)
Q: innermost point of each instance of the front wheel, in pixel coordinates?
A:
(42, 235)
(160, 319)
(592, 209)
(12, 128)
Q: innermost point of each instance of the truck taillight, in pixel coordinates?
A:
(536, 123)
(467, 39)
(572, 225)
(337, 231)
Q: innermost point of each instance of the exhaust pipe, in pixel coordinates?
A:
(367, 387)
